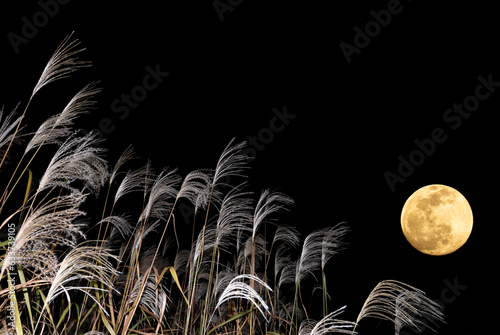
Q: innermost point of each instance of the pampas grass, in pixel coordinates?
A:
(63, 62)
(53, 223)
(58, 127)
(137, 275)
(329, 324)
(400, 303)
(76, 159)
(83, 263)
(6, 129)
(237, 289)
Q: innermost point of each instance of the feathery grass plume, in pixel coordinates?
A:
(289, 271)
(120, 226)
(88, 263)
(269, 203)
(201, 287)
(121, 230)
(290, 239)
(62, 63)
(154, 296)
(208, 240)
(137, 180)
(316, 244)
(161, 194)
(231, 163)
(399, 303)
(240, 290)
(331, 245)
(332, 242)
(282, 259)
(329, 324)
(254, 250)
(290, 236)
(196, 188)
(140, 233)
(239, 258)
(284, 268)
(319, 246)
(235, 213)
(181, 261)
(76, 159)
(52, 223)
(6, 135)
(321, 288)
(126, 156)
(58, 126)
(224, 278)
(425, 312)
(168, 244)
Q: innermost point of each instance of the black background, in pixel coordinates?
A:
(352, 120)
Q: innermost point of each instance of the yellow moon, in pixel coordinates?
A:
(436, 220)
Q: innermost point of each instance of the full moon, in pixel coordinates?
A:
(436, 220)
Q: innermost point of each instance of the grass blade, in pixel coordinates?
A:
(176, 280)
(26, 295)
(28, 187)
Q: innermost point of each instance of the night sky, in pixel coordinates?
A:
(336, 101)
